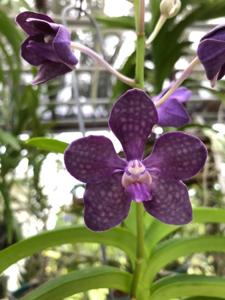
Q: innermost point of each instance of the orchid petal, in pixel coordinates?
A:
(92, 159)
(170, 202)
(177, 155)
(172, 113)
(50, 70)
(106, 204)
(29, 28)
(131, 119)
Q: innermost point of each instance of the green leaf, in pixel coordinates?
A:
(116, 237)
(158, 230)
(202, 298)
(8, 29)
(81, 281)
(117, 22)
(170, 250)
(47, 144)
(8, 139)
(188, 285)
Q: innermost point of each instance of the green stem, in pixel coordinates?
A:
(140, 53)
(140, 253)
(139, 6)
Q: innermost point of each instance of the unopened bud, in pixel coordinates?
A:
(170, 8)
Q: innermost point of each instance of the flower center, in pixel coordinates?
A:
(136, 172)
(135, 167)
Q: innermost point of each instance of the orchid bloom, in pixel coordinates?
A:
(172, 112)
(113, 182)
(47, 46)
(211, 53)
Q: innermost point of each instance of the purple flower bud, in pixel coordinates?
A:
(112, 182)
(172, 112)
(211, 53)
(47, 46)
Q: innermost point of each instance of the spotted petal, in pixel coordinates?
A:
(106, 204)
(92, 159)
(50, 70)
(29, 27)
(170, 202)
(177, 155)
(131, 120)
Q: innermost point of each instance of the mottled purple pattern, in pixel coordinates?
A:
(177, 155)
(211, 52)
(47, 46)
(106, 204)
(172, 112)
(131, 119)
(92, 159)
(170, 202)
(113, 182)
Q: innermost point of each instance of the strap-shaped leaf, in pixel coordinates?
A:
(11, 33)
(116, 237)
(202, 298)
(173, 249)
(158, 230)
(81, 281)
(47, 144)
(188, 285)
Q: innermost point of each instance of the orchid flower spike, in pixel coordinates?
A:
(47, 46)
(156, 181)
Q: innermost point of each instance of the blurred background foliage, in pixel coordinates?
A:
(27, 111)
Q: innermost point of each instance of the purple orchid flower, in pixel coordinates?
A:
(211, 53)
(172, 112)
(47, 46)
(112, 182)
